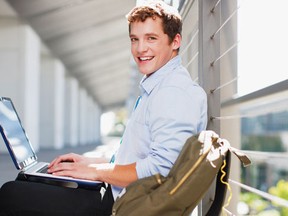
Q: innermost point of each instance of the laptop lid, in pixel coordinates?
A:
(14, 135)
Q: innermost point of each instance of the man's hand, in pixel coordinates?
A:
(68, 158)
(75, 166)
(78, 166)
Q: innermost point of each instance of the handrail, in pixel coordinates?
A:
(263, 194)
(266, 155)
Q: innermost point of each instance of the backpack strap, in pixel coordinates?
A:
(242, 157)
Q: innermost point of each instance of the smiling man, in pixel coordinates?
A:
(150, 45)
(172, 108)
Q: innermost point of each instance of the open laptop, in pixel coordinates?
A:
(23, 155)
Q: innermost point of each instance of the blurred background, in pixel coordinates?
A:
(66, 65)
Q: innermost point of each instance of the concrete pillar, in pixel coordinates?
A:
(19, 71)
(209, 74)
(52, 103)
(93, 122)
(59, 104)
(97, 123)
(90, 120)
(83, 116)
(96, 137)
(71, 112)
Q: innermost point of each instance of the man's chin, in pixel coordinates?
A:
(145, 72)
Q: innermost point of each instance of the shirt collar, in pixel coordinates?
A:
(147, 84)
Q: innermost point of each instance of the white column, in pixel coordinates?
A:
(52, 103)
(71, 112)
(93, 121)
(90, 120)
(97, 121)
(19, 71)
(59, 104)
(83, 116)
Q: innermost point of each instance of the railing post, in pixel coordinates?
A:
(209, 71)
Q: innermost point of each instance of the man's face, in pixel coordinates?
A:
(150, 47)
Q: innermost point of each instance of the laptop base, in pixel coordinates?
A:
(57, 182)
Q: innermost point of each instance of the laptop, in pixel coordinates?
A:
(24, 156)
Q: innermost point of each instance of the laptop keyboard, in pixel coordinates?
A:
(43, 169)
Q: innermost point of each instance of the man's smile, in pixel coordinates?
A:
(145, 58)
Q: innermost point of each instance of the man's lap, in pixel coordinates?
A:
(30, 198)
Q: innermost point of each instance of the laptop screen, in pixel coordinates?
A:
(14, 135)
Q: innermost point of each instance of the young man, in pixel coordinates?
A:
(172, 108)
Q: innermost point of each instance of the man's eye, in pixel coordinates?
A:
(133, 39)
(152, 38)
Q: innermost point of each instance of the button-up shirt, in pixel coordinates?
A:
(172, 108)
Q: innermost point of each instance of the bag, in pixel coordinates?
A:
(187, 182)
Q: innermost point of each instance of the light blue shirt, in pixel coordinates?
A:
(171, 109)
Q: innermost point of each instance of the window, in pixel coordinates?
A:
(263, 44)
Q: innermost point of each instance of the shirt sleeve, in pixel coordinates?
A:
(173, 116)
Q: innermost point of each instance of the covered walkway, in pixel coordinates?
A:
(56, 48)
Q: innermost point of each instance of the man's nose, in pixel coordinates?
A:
(142, 46)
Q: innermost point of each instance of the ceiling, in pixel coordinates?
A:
(90, 37)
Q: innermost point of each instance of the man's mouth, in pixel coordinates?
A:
(145, 58)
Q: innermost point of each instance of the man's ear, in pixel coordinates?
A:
(177, 41)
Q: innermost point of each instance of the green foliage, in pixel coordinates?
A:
(255, 202)
(281, 190)
(259, 206)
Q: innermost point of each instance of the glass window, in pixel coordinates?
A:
(263, 44)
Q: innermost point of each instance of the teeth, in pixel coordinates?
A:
(145, 58)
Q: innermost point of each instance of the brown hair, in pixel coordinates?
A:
(171, 20)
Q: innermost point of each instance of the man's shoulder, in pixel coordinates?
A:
(179, 78)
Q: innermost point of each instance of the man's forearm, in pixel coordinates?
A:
(118, 175)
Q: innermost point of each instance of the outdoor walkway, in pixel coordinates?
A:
(9, 172)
